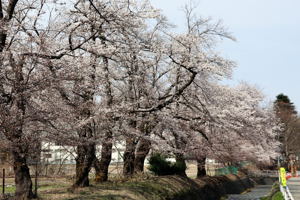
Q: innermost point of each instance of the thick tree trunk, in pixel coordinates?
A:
(84, 161)
(180, 162)
(142, 151)
(22, 175)
(201, 167)
(129, 156)
(101, 167)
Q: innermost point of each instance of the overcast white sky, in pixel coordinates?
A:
(268, 39)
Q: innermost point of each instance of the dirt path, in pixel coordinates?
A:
(255, 194)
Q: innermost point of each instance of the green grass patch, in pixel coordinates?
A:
(41, 187)
(10, 189)
(275, 193)
(278, 196)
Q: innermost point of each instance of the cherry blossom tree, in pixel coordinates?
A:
(24, 77)
(83, 73)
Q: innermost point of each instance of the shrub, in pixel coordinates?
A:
(159, 165)
(179, 167)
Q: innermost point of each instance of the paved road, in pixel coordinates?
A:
(263, 190)
(255, 194)
(294, 186)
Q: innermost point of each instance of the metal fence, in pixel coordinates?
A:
(226, 170)
(286, 193)
(284, 189)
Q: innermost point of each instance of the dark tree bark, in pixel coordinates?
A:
(19, 150)
(22, 175)
(101, 167)
(84, 160)
(129, 156)
(201, 167)
(142, 151)
(9, 15)
(180, 160)
(2, 40)
(1, 10)
(11, 8)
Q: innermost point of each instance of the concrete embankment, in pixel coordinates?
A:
(212, 188)
(178, 188)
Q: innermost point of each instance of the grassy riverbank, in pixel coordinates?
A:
(275, 193)
(144, 187)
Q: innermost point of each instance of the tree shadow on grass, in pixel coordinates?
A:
(102, 197)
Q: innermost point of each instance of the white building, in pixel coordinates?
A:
(57, 154)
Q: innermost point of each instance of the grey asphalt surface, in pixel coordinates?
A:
(255, 194)
(294, 186)
(263, 190)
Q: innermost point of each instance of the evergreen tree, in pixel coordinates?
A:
(286, 112)
(285, 109)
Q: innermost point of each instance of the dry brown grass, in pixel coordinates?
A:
(140, 187)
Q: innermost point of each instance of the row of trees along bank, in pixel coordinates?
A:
(89, 72)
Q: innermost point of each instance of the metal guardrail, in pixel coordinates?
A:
(286, 193)
(284, 189)
(264, 173)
